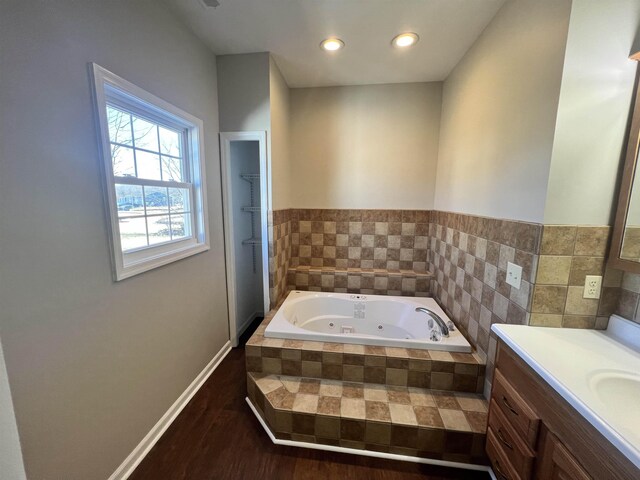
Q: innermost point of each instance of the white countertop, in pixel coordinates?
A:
(573, 361)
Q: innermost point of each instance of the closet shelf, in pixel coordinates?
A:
(252, 241)
(250, 209)
(250, 176)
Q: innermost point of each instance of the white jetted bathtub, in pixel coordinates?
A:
(363, 319)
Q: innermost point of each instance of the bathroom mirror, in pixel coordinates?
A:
(625, 244)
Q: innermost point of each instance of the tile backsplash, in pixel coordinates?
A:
(567, 254)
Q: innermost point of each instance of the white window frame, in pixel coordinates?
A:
(109, 88)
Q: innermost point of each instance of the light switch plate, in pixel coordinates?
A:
(592, 286)
(514, 275)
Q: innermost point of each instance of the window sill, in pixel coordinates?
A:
(135, 268)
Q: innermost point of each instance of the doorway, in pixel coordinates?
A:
(245, 205)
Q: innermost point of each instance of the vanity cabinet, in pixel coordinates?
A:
(556, 463)
(534, 434)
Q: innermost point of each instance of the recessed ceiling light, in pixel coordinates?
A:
(332, 44)
(405, 40)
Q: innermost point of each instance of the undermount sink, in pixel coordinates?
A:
(619, 392)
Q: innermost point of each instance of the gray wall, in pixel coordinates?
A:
(498, 114)
(94, 364)
(595, 100)
(279, 155)
(11, 464)
(243, 92)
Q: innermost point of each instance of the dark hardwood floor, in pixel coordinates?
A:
(217, 437)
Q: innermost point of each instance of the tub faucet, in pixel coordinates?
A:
(444, 328)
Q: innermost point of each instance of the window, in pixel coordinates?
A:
(154, 176)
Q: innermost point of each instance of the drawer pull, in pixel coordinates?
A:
(506, 404)
(498, 471)
(503, 440)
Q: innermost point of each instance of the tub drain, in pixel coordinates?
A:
(331, 324)
(380, 327)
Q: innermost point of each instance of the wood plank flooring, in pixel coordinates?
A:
(217, 437)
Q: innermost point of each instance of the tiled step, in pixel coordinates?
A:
(409, 421)
(371, 281)
(462, 372)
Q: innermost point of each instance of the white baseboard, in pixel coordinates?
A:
(248, 321)
(137, 455)
(366, 453)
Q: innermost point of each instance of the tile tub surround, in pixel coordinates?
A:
(408, 421)
(408, 283)
(279, 253)
(359, 251)
(462, 372)
(396, 400)
(468, 256)
(368, 239)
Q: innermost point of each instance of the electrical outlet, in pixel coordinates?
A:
(514, 275)
(592, 286)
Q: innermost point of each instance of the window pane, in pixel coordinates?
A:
(172, 169)
(119, 125)
(158, 229)
(179, 200)
(170, 142)
(123, 163)
(133, 233)
(148, 165)
(129, 199)
(145, 134)
(181, 226)
(156, 200)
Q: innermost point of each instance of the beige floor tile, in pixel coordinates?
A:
(471, 403)
(441, 356)
(292, 384)
(269, 383)
(454, 420)
(330, 388)
(354, 349)
(376, 393)
(273, 342)
(402, 414)
(421, 397)
(353, 408)
(305, 403)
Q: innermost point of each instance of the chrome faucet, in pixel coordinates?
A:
(444, 327)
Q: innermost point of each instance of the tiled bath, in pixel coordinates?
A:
(458, 259)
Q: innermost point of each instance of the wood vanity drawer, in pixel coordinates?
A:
(502, 468)
(516, 411)
(512, 445)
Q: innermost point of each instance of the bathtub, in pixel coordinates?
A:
(362, 319)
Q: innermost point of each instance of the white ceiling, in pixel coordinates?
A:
(293, 29)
